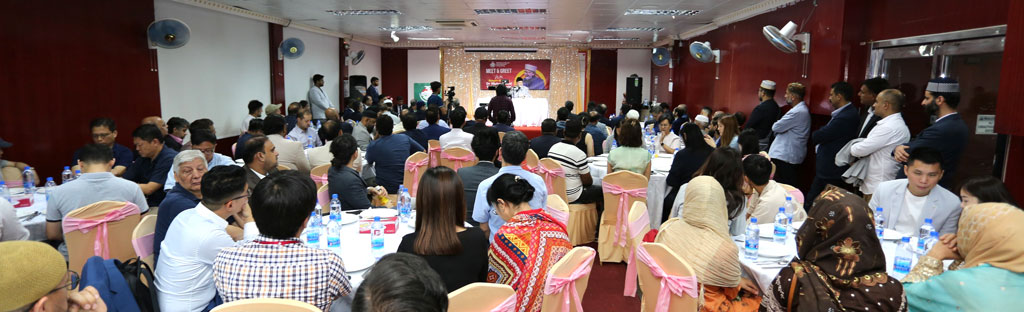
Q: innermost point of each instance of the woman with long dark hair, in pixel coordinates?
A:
(730, 132)
(725, 166)
(686, 162)
(984, 189)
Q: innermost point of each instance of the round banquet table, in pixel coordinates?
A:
(36, 222)
(656, 185)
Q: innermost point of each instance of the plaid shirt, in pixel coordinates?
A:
(274, 268)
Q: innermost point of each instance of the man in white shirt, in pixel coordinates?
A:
(890, 131)
(456, 137)
(767, 195)
(322, 155)
(579, 184)
(791, 134)
(909, 203)
(318, 100)
(255, 111)
(205, 142)
(303, 131)
(289, 152)
(184, 273)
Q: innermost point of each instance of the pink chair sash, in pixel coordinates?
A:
(457, 159)
(549, 175)
(528, 168)
(413, 167)
(623, 213)
(506, 306)
(433, 156)
(556, 285)
(561, 216)
(321, 179)
(100, 247)
(635, 228)
(674, 284)
(323, 198)
(798, 197)
(143, 245)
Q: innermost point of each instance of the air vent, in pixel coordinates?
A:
(451, 23)
(662, 12)
(541, 38)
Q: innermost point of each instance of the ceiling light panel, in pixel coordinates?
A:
(364, 12)
(517, 28)
(662, 12)
(634, 29)
(510, 11)
(616, 39)
(525, 38)
(407, 28)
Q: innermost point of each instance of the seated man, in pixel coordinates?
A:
(290, 153)
(403, 286)
(768, 195)
(189, 166)
(260, 159)
(547, 138)
(361, 131)
(96, 184)
(36, 278)
(205, 142)
(596, 130)
(504, 122)
(104, 131)
(255, 112)
(457, 137)
(177, 127)
(417, 135)
(479, 121)
(513, 153)
(184, 273)
(322, 155)
(202, 124)
(387, 155)
(149, 171)
(345, 181)
(423, 124)
(908, 203)
(293, 115)
(255, 129)
(433, 130)
(579, 185)
(277, 264)
(485, 147)
(561, 116)
(16, 165)
(303, 131)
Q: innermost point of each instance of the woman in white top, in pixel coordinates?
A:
(668, 142)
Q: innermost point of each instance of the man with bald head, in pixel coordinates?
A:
(332, 114)
(885, 135)
(156, 121)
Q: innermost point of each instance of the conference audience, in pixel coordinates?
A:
(948, 134)
(702, 122)
(685, 164)
(885, 134)
(748, 142)
(596, 130)
(417, 135)
(725, 166)
(729, 132)
(440, 123)
(401, 284)
(303, 131)
(433, 130)
(831, 138)
(485, 146)
(764, 114)
(185, 271)
(457, 137)
(910, 202)
(457, 253)
(869, 91)
(260, 157)
(345, 181)
(10, 225)
(560, 117)
(767, 196)
(156, 121)
(353, 110)
(34, 277)
(547, 138)
(579, 185)
(289, 152)
(205, 143)
(361, 131)
(630, 155)
(104, 132)
(504, 122)
(479, 121)
(840, 264)
(255, 112)
(513, 258)
(272, 109)
(513, 153)
(190, 168)
(267, 265)
(387, 155)
(321, 155)
(203, 124)
(791, 133)
(679, 116)
(501, 102)
(667, 141)
(984, 189)
(255, 129)
(177, 128)
(149, 171)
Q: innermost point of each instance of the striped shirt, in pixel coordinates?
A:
(574, 163)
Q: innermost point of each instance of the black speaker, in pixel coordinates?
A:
(357, 86)
(634, 90)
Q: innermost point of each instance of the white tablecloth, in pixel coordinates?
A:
(36, 225)
(656, 185)
(530, 112)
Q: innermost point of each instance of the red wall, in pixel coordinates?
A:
(394, 72)
(603, 64)
(660, 89)
(63, 65)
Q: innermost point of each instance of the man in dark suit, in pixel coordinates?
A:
(547, 138)
(869, 90)
(260, 159)
(948, 134)
(765, 114)
(345, 181)
(478, 123)
(485, 145)
(830, 139)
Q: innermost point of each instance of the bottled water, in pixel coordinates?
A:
(933, 238)
(28, 179)
(614, 144)
(781, 226)
(879, 222)
(922, 238)
(377, 239)
(49, 186)
(66, 175)
(404, 204)
(790, 210)
(313, 229)
(78, 173)
(752, 240)
(309, 141)
(901, 263)
(335, 208)
(4, 192)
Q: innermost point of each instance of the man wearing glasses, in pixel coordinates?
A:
(184, 271)
(205, 142)
(104, 131)
(35, 278)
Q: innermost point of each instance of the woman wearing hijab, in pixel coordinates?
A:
(702, 238)
(840, 264)
(987, 249)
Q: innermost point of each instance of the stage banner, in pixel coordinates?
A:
(421, 91)
(536, 74)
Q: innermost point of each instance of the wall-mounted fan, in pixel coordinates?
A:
(784, 39)
(661, 57)
(356, 57)
(702, 52)
(168, 33)
(291, 48)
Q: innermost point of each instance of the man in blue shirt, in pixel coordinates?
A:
(513, 152)
(791, 133)
(504, 122)
(597, 131)
(372, 90)
(435, 99)
(409, 123)
(150, 170)
(205, 142)
(434, 130)
(189, 167)
(387, 155)
(104, 131)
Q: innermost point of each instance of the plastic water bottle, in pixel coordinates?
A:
(335, 208)
(5, 193)
(404, 204)
(49, 186)
(377, 238)
(614, 144)
(901, 263)
(309, 141)
(78, 174)
(28, 179)
(66, 175)
(879, 222)
(313, 229)
(790, 210)
(781, 226)
(933, 238)
(752, 240)
(334, 224)
(922, 238)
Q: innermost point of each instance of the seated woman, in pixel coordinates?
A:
(527, 246)
(630, 155)
(729, 132)
(702, 238)
(668, 142)
(685, 163)
(724, 165)
(457, 253)
(840, 265)
(345, 181)
(990, 261)
(984, 189)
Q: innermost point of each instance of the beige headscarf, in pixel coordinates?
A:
(991, 233)
(702, 235)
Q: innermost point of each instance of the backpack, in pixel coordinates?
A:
(133, 271)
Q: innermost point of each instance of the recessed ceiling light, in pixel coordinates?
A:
(407, 28)
(429, 38)
(514, 28)
(634, 29)
(616, 39)
(364, 12)
(510, 11)
(662, 12)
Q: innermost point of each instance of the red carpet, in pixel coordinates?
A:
(530, 132)
(604, 290)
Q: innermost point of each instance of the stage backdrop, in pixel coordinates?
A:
(462, 70)
(535, 73)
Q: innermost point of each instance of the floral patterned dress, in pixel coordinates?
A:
(523, 251)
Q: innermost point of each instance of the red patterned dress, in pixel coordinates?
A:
(524, 249)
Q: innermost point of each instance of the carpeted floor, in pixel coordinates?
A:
(604, 290)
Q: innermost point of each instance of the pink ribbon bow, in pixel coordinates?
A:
(549, 175)
(620, 235)
(143, 245)
(677, 285)
(321, 179)
(528, 168)
(561, 216)
(641, 225)
(557, 285)
(457, 159)
(414, 168)
(100, 247)
(433, 155)
(506, 306)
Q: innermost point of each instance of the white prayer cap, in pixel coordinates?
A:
(701, 118)
(633, 114)
(768, 84)
(531, 67)
(944, 85)
(387, 102)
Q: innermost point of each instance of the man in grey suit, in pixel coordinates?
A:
(260, 157)
(909, 203)
(485, 145)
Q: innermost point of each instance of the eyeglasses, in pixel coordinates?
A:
(72, 283)
(101, 135)
(246, 195)
(207, 151)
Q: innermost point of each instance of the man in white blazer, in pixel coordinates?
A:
(907, 203)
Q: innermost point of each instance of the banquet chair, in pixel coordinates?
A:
(554, 177)
(652, 270)
(501, 135)
(319, 174)
(283, 168)
(582, 219)
(12, 176)
(142, 238)
(457, 158)
(621, 189)
(568, 277)
(531, 161)
(638, 226)
(795, 193)
(559, 210)
(482, 297)
(415, 166)
(323, 197)
(434, 150)
(589, 139)
(84, 230)
(266, 305)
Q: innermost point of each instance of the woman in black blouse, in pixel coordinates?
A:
(686, 162)
(457, 253)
